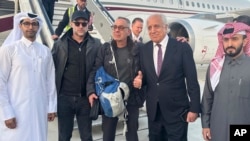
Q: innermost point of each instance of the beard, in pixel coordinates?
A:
(231, 53)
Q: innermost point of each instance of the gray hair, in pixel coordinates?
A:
(126, 19)
(163, 18)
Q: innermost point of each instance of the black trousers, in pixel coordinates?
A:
(49, 7)
(109, 125)
(70, 107)
(160, 130)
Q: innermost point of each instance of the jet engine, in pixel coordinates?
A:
(201, 35)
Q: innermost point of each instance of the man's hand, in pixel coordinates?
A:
(182, 39)
(11, 123)
(54, 37)
(92, 97)
(206, 134)
(51, 116)
(138, 80)
(191, 117)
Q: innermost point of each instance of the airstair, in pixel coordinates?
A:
(102, 19)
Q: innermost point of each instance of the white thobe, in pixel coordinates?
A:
(27, 90)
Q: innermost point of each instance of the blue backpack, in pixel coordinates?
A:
(111, 92)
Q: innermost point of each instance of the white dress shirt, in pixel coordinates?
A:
(163, 43)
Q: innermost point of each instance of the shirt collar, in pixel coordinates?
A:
(238, 60)
(163, 43)
(79, 9)
(135, 38)
(27, 42)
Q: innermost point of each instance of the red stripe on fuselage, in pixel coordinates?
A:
(148, 10)
(6, 23)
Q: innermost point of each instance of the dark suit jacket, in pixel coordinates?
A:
(177, 81)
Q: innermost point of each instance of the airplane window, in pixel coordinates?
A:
(180, 2)
(193, 4)
(218, 7)
(198, 4)
(187, 3)
(155, 0)
(162, 1)
(231, 8)
(222, 8)
(208, 6)
(203, 5)
(226, 8)
(213, 7)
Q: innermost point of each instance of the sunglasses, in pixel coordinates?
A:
(81, 23)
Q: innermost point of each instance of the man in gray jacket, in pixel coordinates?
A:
(74, 56)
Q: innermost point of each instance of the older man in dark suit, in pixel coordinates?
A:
(173, 92)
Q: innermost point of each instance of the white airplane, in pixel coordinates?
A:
(197, 20)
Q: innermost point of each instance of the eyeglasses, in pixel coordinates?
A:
(27, 24)
(82, 23)
(114, 27)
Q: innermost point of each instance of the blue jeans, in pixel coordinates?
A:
(70, 107)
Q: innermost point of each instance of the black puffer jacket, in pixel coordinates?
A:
(104, 56)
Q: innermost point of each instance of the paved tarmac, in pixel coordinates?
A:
(194, 130)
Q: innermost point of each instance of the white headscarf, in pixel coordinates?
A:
(16, 33)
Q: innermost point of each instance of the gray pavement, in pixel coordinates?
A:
(3, 35)
(194, 130)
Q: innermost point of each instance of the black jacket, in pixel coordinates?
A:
(60, 55)
(65, 21)
(104, 56)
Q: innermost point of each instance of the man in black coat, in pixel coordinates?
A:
(74, 56)
(126, 54)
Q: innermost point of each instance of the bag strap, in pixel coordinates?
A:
(117, 74)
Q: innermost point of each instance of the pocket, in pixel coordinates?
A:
(244, 88)
(39, 64)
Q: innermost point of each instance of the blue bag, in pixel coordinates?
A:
(112, 93)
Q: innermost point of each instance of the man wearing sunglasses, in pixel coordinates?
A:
(64, 24)
(74, 56)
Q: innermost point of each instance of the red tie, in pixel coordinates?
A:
(159, 59)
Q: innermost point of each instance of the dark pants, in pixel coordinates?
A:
(160, 130)
(109, 125)
(70, 107)
(49, 7)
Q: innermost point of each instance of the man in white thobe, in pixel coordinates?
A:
(27, 83)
